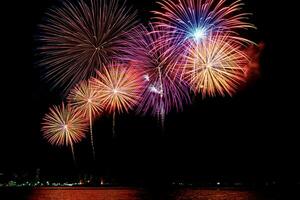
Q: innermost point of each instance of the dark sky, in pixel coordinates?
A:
(250, 135)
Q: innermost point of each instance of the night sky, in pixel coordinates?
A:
(253, 134)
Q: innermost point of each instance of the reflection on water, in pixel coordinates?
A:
(86, 194)
(194, 194)
(127, 194)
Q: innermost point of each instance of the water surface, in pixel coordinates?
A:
(66, 193)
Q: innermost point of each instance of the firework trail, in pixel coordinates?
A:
(85, 99)
(163, 91)
(82, 36)
(197, 19)
(215, 66)
(63, 126)
(119, 87)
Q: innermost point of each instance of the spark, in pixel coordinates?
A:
(199, 34)
(146, 77)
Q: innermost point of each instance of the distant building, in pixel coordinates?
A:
(37, 174)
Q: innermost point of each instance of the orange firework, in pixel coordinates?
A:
(85, 99)
(215, 66)
(120, 88)
(64, 126)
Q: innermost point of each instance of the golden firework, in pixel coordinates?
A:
(64, 126)
(215, 66)
(85, 99)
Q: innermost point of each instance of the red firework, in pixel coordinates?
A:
(82, 36)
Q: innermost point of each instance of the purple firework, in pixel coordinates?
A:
(164, 90)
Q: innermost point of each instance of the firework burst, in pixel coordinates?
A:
(119, 87)
(196, 19)
(215, 66)
(86, 100)
(82, 36)
(64, 126)
(163, 91)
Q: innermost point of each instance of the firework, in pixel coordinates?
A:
(63, 126)
(85, 99)
(82, 36)
(119, 88)
(164, 91)
(215, 66)
(196, 19)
